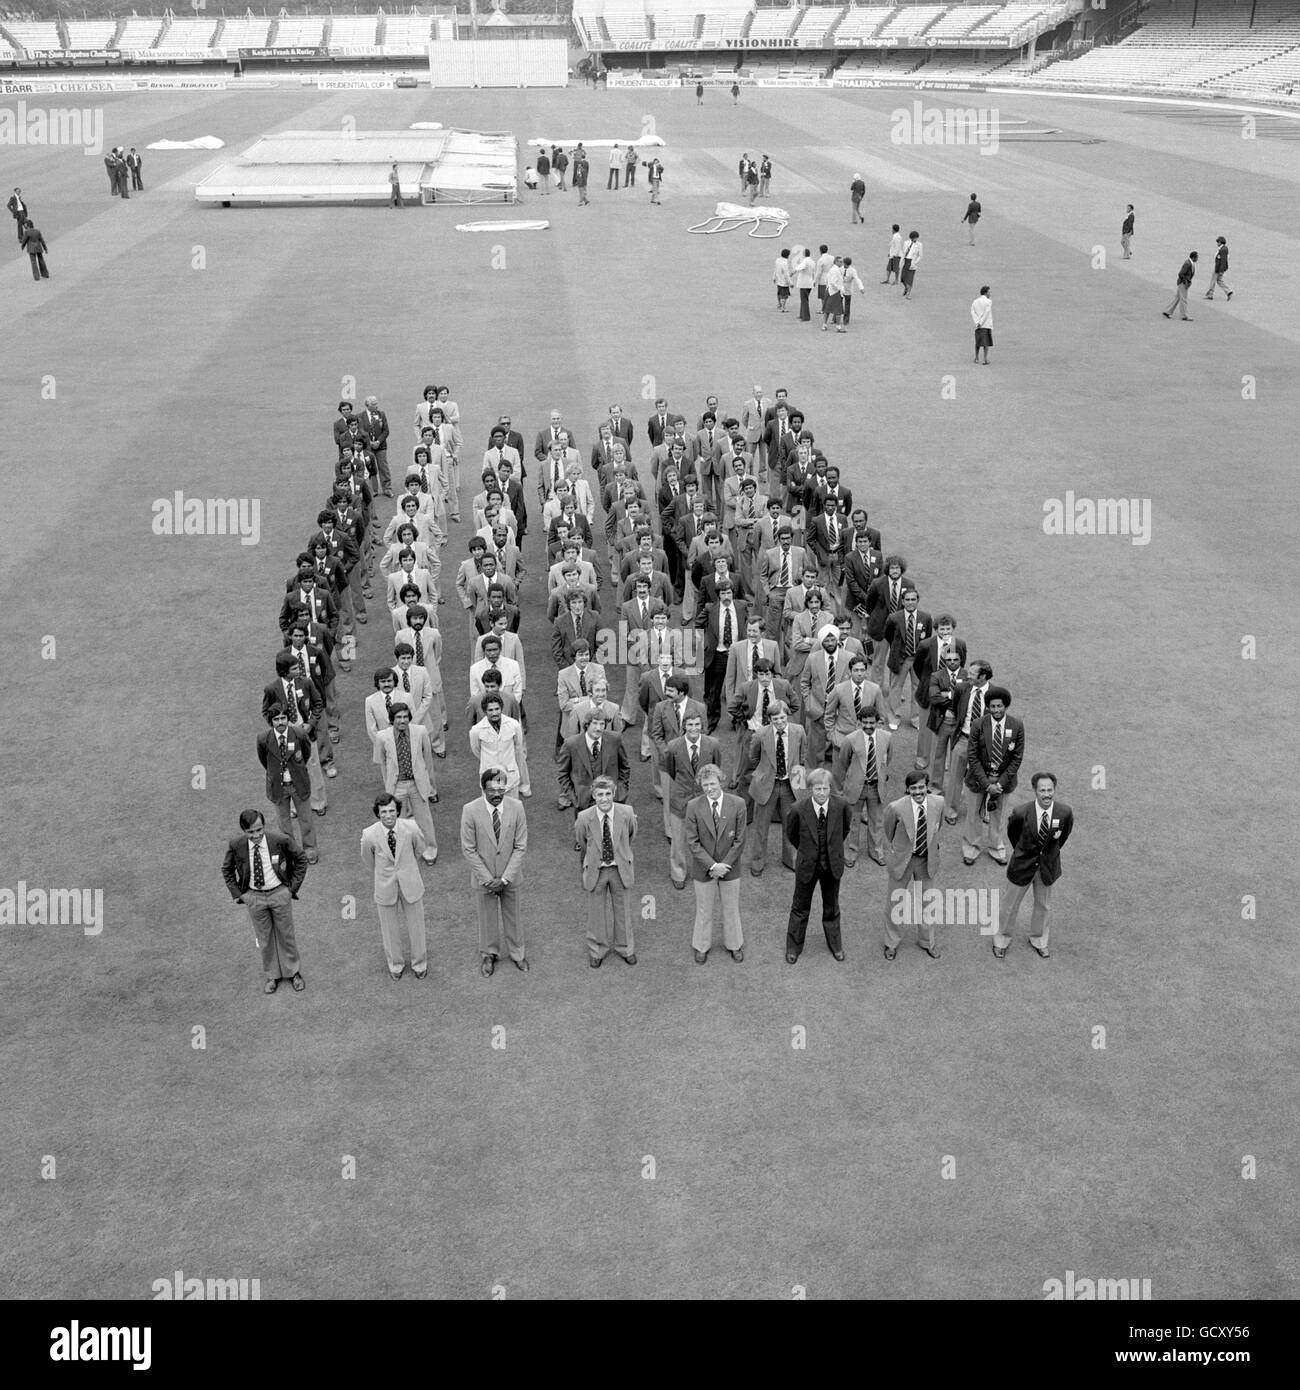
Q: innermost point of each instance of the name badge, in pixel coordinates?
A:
(287, 775)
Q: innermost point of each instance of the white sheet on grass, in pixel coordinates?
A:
(727, 217)
(426, 125)
(204, 142)
(520, 226)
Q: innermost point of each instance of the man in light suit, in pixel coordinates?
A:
(778, 573)
(744, 657)
(388, 851)
(573, 684)
(753, 419)
(666, 698)
(587, 756)
(715, 840)
(817, 682)
(751, 711)
(548, 435)
(494, 839)
(912, 826)
(776, 754)
(407, 767)
(263, 872)
(683, 760)
(284, 752)
(817, 826)
(603, 835)
(848, 699)
(997, 747)
(1038, 830)
(859, 772)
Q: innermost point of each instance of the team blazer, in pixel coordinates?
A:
(801, 832)
(712, 626)
(926, 663)
(422, 579)
(656, 426)
(841, 718)
(770, 569)
(1028, 855)
(568, 688)
(287, 860)
(896, 638)
(320, 608)
(577, 771)
(819, 539)
(753, 414)
(762, 752)
(430, 649)
(978, 772)
(677, 764)
(859, 572)
(393, 873)
(812, 681)
(487, 858)
(706, 848)
(849, 770)
(747, 701)
(899, 829)
(298, 748)
(942, 683)
(563, 636)
(587, 834)
(419, 759)
(664, 723)
(878, 604)
(320, 666)
(307, 705)
(419, 696)
(739, 665)
(377, 719)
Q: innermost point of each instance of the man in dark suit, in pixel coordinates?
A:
(33, 243)
(861, 568)
(997, 747)
(592, 753)
(827, 539)
(924, 664)
(603, 835)
(620, 426)
(724, 626)
(136, 165)
(776, 753)
(343, 425)
(307, 595)
(683, 758)
(515, 441)
(374, 425)
(18, 210)
(284, 752)
(715, 840)
(905, 633)
(884, 597)
(569, 628)
(945, 691)
(550, 434)
(817, 826)
(1038, 830)
(657, 425)
(264, 872)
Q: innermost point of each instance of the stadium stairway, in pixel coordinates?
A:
(748, 24)
(64, 37)
(274, 32)
(381, 30)
(1259, 58)
(116, 40)
(835, 24)
(10, 40)
(602, 29)
(699, 27)
(327, 33)
(218, 33)
(920, 33)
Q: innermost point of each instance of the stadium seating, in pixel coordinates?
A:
(353, 30)
(244, 32)
(188, 34)
(863, 21)
(93, 33)
(817, 23)
(407, 33)
(715, 26)
(910, 22)
(958, 22)
(773, 24)
(138, 34)
(299, 31)
(34, 35)
(1009, 19)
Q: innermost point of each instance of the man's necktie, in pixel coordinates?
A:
(290, 698)
(582, 682)
(424, 479)
(695, 759)
(909, 643)
(821, 834)
(1044, 829)
(419, 649)
(726, 629)
(643, 615)
(835, 534)
(857, 702)
(284, 749)
(716, 822)
(830, 674)
(302, 662)
(871, 760)
(785, 569)
(595, 752)
(392, 843)
(606, 843)
(405, 773)
(782, 772)
(996, 749)
(259, 876)
(922, 837)
(976, 708)
(895, 603)
(496, 824)
(753, 659)
(388, 707)
(575, 624)
(767, 700)
(406, 681)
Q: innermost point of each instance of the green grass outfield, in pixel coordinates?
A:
(774, 1167)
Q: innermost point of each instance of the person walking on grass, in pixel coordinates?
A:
(972, 216)
(911, 259)
(34, 244)
(981, 312)
(1220, 268)
(1185, 277)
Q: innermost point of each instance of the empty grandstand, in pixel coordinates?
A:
(187, 35)
(137, 34)
(94, 33)
(406, 34)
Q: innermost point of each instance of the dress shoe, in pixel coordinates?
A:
(701, 957)
(890, 952)
(396, 975)
(998, 858)
(680, 885)
(791, 958)
(270, 986)
(421, 974)
(1042, 950)
(313, 856)
(361, 618)
(999, 951)
(331, 771)
(757, 873)
(839, 955)
(876, 860)
(738, 954)
(968, 860)
(949, 818)
(488, 965)
(429, 858)
(521, 965)
(319, 810)
(630, 958)
(298, 983)
(595, 961)
(932, 951)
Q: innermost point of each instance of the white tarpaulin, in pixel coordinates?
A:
(727, 217)
(644, 141)
(204, 142)
(502, 226)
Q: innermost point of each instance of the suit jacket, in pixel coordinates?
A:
(900, 829)
(306, 707)
(664, 723)
(420, 758)
(812, 681)
(568, 692)
(753, 416)
(859, 572)
(711, 625)
(487, 858)
(655, 426)
(770, 568)
(762, 752)
(577, 770)
(298, 746)
(941, 684)
(677, 764)
(926, 663)
(1028, 855)
(542, 446)
(622, 429)
(374, 425)
(318, 663)
(849, 770)
(563, 636)
(979, 773)
(287, 860)
(895, 636)
(747, 701)
(392, 873)
(739, 659)
(321, 607)
(841, 717)
(801, 832)
(878, 605)
(706, 847)
(587, 834)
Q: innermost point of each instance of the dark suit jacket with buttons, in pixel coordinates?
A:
(706, 848)
(801, 832)
(577, 772)
(287, 860)
(1028, 856)
(926, 662)
(895, 635)
(978, 772)
(299, 751)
